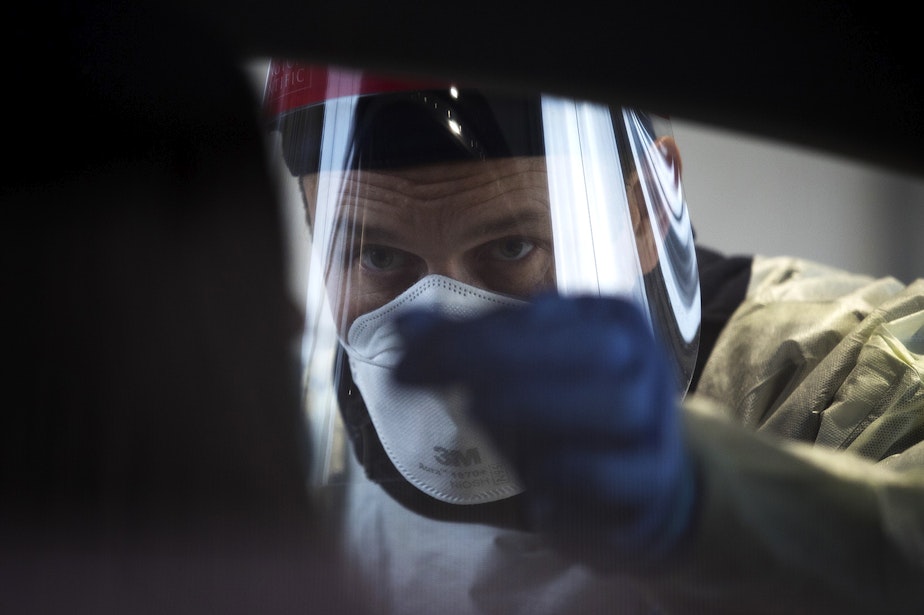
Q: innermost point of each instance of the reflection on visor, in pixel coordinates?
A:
(672, 232)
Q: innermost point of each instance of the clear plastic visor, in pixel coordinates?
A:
(514, 195)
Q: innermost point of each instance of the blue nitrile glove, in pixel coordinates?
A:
(581, 399)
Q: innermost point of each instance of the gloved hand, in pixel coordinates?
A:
(580, 397)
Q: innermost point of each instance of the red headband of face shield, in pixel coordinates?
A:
(291, 86)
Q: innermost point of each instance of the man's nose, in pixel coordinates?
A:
(455, 269)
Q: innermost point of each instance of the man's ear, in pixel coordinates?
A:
(668, 148)
(641, 224)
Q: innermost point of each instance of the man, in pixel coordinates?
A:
(508, 294)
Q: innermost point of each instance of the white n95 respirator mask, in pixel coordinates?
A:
(426, 432)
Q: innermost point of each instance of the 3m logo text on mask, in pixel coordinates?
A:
(456, 457)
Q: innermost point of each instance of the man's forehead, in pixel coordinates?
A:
(524, 170)
(463, 194)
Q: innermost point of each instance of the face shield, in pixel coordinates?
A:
(460, 200)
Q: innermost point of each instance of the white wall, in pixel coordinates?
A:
(755, 196)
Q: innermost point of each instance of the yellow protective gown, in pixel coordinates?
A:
(822, 511)
(807, 427)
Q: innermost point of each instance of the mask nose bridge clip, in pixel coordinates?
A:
(440, 294)
(453, 269)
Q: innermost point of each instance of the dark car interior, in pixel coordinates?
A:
(150, 453)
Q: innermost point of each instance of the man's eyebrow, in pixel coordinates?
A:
(523, 222)
(529, 222)
(369, 233)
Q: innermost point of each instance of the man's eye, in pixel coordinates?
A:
(381, 258)
(512, 248)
